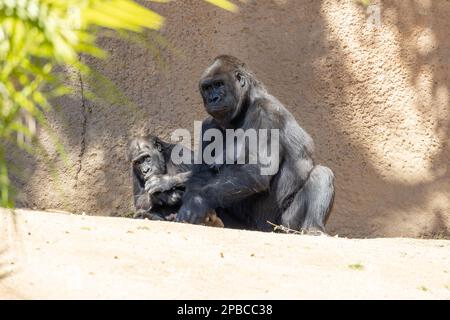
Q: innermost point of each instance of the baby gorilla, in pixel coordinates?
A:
(158, 183)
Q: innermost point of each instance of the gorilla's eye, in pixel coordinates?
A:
(144, 159)
(218, 84)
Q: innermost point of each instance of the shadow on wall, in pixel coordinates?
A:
(375, 101)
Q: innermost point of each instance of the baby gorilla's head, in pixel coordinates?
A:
(146, 156)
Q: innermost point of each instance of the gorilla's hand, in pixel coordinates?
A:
(141, 214)
(175, 197)
(158, 183)
(193, 210)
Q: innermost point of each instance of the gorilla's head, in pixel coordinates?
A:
(146, 156)
(225, 86)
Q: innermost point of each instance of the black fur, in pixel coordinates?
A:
(299, 196)
(150, 151)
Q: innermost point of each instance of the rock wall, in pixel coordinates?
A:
(375, 98)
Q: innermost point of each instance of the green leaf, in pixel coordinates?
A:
(224, 4)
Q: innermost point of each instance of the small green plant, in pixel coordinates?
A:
(364, 3)
(356, 266)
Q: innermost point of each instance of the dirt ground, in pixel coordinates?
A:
(58, 255)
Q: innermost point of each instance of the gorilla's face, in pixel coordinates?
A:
(146, 157)
(144, 165)
(222, 91)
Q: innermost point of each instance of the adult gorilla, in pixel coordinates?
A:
(299, 195)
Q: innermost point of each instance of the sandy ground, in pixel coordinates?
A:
(64, 256)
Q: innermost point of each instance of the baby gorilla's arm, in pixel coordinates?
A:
(171, 197)
(165, 182)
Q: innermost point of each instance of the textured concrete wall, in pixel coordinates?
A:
(375, 100)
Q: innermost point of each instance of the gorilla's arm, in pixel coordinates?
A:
(231, 185)
(165, 182)
(142, 200)
(235, 183)
(207, 190)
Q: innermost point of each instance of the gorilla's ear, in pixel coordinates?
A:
(240, 78)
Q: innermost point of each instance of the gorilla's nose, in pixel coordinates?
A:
(214, 99)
